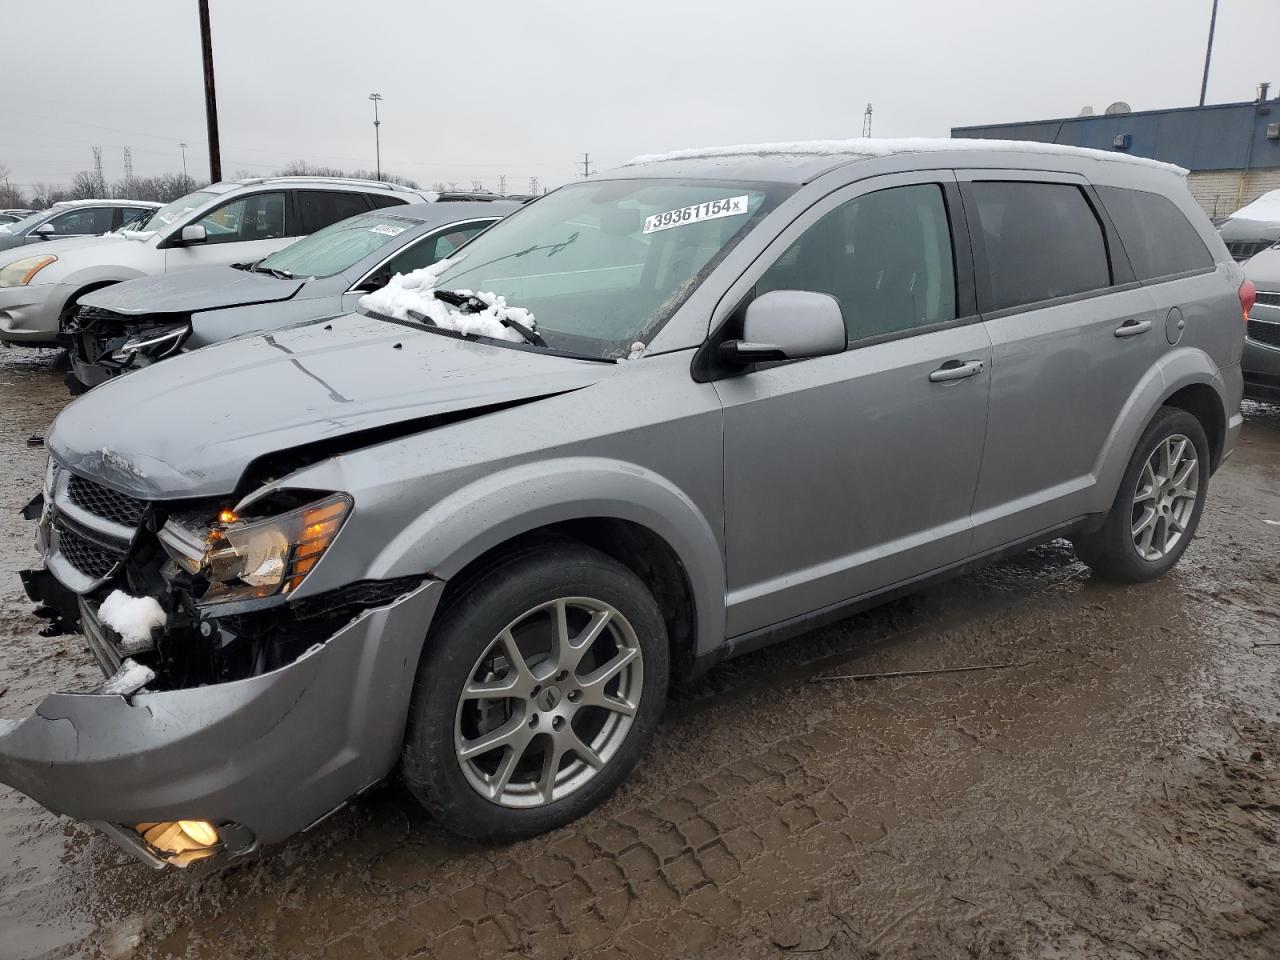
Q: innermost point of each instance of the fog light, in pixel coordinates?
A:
(181, 842)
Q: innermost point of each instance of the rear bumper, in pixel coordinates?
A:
(262, 758)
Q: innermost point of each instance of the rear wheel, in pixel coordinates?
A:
(1158, 507)
(542, 684)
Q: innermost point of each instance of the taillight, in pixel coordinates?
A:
(1248, 297)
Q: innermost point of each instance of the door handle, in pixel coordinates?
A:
(1131, 328)
(956, 370)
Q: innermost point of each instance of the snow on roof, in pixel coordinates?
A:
(869, 147)
(1265, 208)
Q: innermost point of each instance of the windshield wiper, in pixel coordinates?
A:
(469, 303)
(257, 267)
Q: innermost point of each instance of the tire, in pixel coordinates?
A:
(504, 793)
(1116, 549)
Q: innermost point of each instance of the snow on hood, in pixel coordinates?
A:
(416, 292)
(1266, 208)
(885, 146)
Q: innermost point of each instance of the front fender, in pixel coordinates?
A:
(523, 498)
(1174, 371)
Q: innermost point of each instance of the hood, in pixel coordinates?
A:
(189, 290)
(1264, 270)
(190, 426)
(20, 248)
(1241, 228)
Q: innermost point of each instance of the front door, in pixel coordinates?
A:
(240, 231)
(848, 474)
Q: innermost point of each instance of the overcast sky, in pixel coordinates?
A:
(481, 88)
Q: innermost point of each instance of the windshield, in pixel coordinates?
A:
(26, 223)
(338, 246)
(170, 212)
(602, 265)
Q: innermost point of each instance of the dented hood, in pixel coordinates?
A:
(190, 426)
(187, 291)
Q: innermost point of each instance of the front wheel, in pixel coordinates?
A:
(541, 685)
(1158, 507)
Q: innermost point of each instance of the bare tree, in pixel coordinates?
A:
(87, 185)
(10, 195)
(45, 195)
(300, 168)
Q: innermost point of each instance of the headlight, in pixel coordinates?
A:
(247, 559)
(20, 272)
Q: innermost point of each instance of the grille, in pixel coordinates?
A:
(1244, 249)
(1269, 299)
(1261, 332)
(104, 502)
(91, 559)
(95, 314)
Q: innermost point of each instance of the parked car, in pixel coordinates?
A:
(658, 418)
(230, 222)
(1253, 227)
(74, 218)
(133, 324)
(13, 216)
(1261, 363)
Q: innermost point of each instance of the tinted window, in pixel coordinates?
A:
(1158, 237)
(428, 251)
(886, 256)
(319, 208)
(1042, 240)
(83, 220)
(384, 200)
(259, 216)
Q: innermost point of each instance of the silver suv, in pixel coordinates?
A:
(650, 421)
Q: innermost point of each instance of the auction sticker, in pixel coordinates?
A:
(387, 230)
(711, 210)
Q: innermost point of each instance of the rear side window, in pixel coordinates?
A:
(886, 256)
(378, 200)
(83, 220)
(1041, 241)
(319, 208)
(435, 247)
(1158, 237)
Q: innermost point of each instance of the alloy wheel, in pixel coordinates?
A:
(549, 702)
(1165, 498)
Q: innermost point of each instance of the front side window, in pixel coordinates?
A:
(430, 249)
(1158, 237)
(1041, 241)
(885, 256)
(319, 208)
(603, 264)
(84, 220)
(259, 216)
(339, 246)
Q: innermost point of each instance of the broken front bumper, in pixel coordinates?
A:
(261, 758)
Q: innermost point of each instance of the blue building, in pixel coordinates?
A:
(1231, 149)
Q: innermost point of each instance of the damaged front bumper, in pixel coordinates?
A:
(260, 758)
(103, 345)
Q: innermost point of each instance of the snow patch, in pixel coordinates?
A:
(130, 678)
(132, 617)
(416, 292)
(1266, 208)
(637, 351)
(869, 147)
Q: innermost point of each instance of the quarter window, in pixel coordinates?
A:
(1041, 241)
(885, 256)
(259, 216)
(1158, 237)
(319, 208)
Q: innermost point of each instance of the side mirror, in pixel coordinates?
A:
(44, 231)
(193, 233)
(788, 325)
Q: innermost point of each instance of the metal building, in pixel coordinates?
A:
(1231, 149)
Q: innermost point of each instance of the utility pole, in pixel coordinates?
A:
(1208, 51)
(128, 174)
(377, 140)
(210, 97)
(586, 165)
(866, 122)
(183, 148)
(502, 184)
(100, 182)
(533, 186)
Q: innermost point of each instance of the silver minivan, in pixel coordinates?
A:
(652, 420)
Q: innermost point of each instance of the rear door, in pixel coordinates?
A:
(1072, 333)
(319, 208)
(847, 474)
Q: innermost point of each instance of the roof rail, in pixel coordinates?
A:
(352, 181)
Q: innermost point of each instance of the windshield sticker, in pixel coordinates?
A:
(387, 230)
(711, 210)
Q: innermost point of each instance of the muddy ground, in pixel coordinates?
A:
(1113, 792)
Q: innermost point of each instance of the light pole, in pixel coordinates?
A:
(377, 142)
(210, 97)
